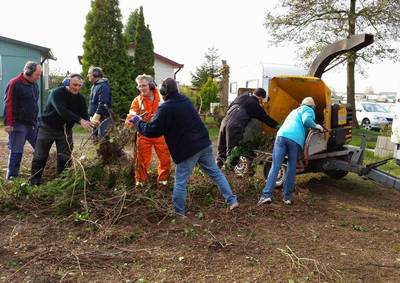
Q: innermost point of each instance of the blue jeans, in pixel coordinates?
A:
(16, 141)
(282, 147)
(101, 131)
(205, 158)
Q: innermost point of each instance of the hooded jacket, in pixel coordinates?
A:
(178, 121)
(296, 124)
(100, 94)
(243, 109)
(21, 102)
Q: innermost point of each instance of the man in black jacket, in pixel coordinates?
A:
(240, 112)
(188, 142)
(65, 107)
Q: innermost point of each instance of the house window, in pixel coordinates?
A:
(252, 84)
(233, 87)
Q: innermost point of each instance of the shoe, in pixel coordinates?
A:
(264, 200)
(233, 206)
(287, 202)
(161, 186)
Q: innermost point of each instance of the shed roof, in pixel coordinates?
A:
(47, 51)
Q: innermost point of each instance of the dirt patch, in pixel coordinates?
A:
(344, 230)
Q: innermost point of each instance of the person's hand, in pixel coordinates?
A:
(87, 125)
(8, 129)
(135, 119)
(319, 128)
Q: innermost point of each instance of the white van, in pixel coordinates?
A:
(258, 75)
(372, 115)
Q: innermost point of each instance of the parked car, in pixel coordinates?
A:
(391, 107)
(372, 115)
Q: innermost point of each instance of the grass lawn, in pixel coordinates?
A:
(370, 136)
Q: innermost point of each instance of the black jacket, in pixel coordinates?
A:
(243, 109)
(178, 121)
(63, 107)
(21, 102)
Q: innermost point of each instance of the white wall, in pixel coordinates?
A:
(162, 71)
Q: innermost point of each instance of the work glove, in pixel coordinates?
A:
(96, 118)
(319, 128)
(135, 119)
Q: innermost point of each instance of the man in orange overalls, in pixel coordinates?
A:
(145, 105)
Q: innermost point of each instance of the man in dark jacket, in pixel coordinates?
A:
(100, 95)
(65, 107)
(240, 112)
(20, 114)
(188, 142)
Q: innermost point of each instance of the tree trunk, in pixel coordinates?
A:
(351, 61)
(350, 85)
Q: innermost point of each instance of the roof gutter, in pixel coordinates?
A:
(177, 71)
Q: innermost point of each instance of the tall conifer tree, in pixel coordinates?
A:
(130, 28)
(144, 48)
(105, 46)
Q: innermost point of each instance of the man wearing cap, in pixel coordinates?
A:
(289, 141)
(240, 112)
(20, 114)
(65, 108)
(188, 142)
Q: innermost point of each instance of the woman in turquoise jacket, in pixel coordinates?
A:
(289, 140)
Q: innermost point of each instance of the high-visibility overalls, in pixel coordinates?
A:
(148, 105)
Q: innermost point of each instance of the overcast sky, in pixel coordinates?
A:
(182, 31)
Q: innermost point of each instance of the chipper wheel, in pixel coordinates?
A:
(338, 174)
(281, 173)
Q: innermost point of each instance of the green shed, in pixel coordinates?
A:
(13, 56)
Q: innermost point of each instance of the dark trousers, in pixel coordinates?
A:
(45, 139)
(229, 136)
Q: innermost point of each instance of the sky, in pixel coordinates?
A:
(182, 31)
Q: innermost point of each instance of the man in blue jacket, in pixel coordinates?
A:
(100, 95)
(188, 142)
(289, 140)
(20, 114)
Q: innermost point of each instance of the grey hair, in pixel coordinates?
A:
(148, 78)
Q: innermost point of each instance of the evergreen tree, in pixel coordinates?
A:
(144, 48)
(210, 68)
(130, 28)
(105, 46)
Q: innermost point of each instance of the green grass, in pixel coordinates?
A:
(1, 123)
(370, 136)
(390, 167)
(78, 129)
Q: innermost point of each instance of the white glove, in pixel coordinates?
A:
(319, 128)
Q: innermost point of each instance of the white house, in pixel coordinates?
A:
(163, 67)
